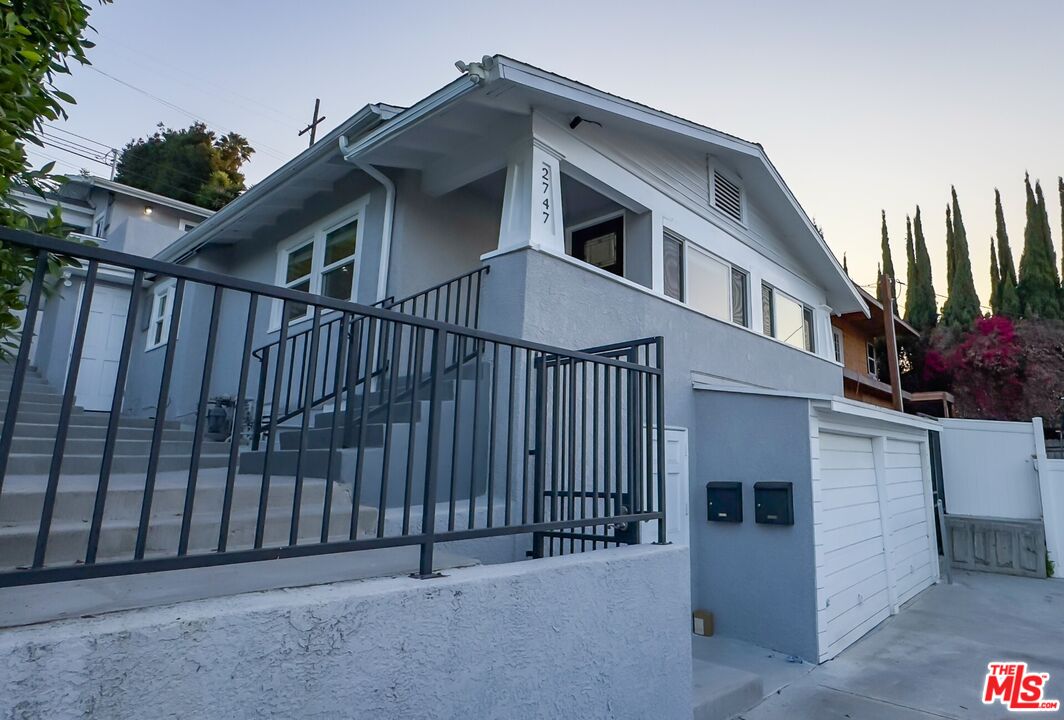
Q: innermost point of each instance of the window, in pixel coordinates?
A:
(786, 319)
(322, 262)
(186, 225)
(601, 245)
(162, 306)
(727, 196)
(704, 282)
(873, 361)
(836, 338)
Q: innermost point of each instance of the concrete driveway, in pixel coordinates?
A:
(929, 661)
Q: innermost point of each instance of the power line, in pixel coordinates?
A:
(277, 154)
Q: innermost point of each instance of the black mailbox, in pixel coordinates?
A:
(724, 502)
(773, 504)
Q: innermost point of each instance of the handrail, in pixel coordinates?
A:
(150, 265)
(484, 434)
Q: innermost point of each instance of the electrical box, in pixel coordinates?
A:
(773, 503)
(724, 502)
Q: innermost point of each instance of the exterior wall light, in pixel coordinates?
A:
(147, 209)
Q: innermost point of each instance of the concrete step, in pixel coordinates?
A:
(83, 418)
(721, 692)
(319, 438)
(30, 395)
(83, 446)
(94, 432)
(401, 412)
(68, 538)
(35, 406)
(40, 464)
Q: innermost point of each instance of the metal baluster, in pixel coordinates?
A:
(238, 421)
(393, 379)
(201, 416)
(304, 427)
(478, 351)
(271, 440)
(260, 397)
(419, 350)
(428, 515)
(541, 454)
(458, 340)
(113, 418)
(341, 350)
(22, 361)
(160, 421)
(65, 410)
(660, 411)
(356, 495)
(510, 411)
(493, 399)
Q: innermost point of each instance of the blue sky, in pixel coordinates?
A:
(861, 106)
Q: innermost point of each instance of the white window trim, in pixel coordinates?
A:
(685, 245)
(804, 305)
(570, 229)
(744, 209)
(168, 289)
(871, 359)
(316, 234)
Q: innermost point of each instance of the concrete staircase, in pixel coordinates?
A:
(22, 499)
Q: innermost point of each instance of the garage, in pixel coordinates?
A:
(859, 537)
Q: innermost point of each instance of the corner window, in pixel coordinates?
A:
(321, 262)
(786, 319)
(873, 362)
(162, 306)
(705, 282)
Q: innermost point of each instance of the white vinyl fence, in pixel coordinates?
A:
(1000, 470)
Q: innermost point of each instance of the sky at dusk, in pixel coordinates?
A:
(861, 106)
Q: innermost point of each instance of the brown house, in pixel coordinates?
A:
(855, 337)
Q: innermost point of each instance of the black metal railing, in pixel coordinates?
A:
(465, 434)
(455, 301)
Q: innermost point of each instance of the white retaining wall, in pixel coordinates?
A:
(604, 634)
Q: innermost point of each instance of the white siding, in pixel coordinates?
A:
(912, 540)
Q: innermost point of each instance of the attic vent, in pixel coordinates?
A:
(727, 197)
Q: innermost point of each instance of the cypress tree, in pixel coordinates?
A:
(888, 263)
(962, 302)
(1008, 298)
(1060, 191)
(1038, 286)
(923, 313)
(910, 270)
(995, 282)
(949, 255)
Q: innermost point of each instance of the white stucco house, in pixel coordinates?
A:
(515, 210)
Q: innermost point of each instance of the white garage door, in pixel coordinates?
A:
(912, 544)
(103, 347)
(852, 582)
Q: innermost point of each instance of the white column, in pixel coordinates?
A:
(532, 206)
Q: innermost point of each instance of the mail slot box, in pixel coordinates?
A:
(724, 502)
(773, 503)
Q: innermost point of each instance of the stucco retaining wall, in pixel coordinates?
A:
(603, 634)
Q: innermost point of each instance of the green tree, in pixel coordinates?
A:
(192, 165)
(888, 262)
(923, 310)
(910, 269)
(962, 302)
(995, 282)
(1008, 299)
(39, 41)
(1038, 286)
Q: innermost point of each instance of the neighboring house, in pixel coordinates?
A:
(116, 217)
(857, 340)
(549, 214)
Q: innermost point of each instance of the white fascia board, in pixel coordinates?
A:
(247, 202)
(856, 409)
(546, 82)
(409, 117)
(154, 198)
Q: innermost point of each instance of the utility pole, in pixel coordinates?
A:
(313, 127)
(892, 341)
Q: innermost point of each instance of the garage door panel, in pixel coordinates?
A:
(845, 460)
(835, 478)
(844, 443)
(864, 600)
(834, 641)
(902, 447)
(840, 558)
(896, 460)
(848, 496)
(850, 575)
(905, 505)
(905, 488)
(846, 516)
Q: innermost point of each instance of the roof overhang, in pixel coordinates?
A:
(80, 186)
(280, 182)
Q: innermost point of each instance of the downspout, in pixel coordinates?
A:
(389, 219)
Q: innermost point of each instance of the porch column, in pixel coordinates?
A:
(532, 206)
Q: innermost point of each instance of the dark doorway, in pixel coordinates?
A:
(601, 245)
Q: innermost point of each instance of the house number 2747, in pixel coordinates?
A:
(545, 182)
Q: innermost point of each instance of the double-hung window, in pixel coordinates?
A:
(704, 282)
(162, 307)
(322, 262)
(786, 319)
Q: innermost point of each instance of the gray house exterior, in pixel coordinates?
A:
(589, 219)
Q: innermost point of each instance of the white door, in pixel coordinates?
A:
(677, 515)
(852, 581)
(912, 540)
(103, 347)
